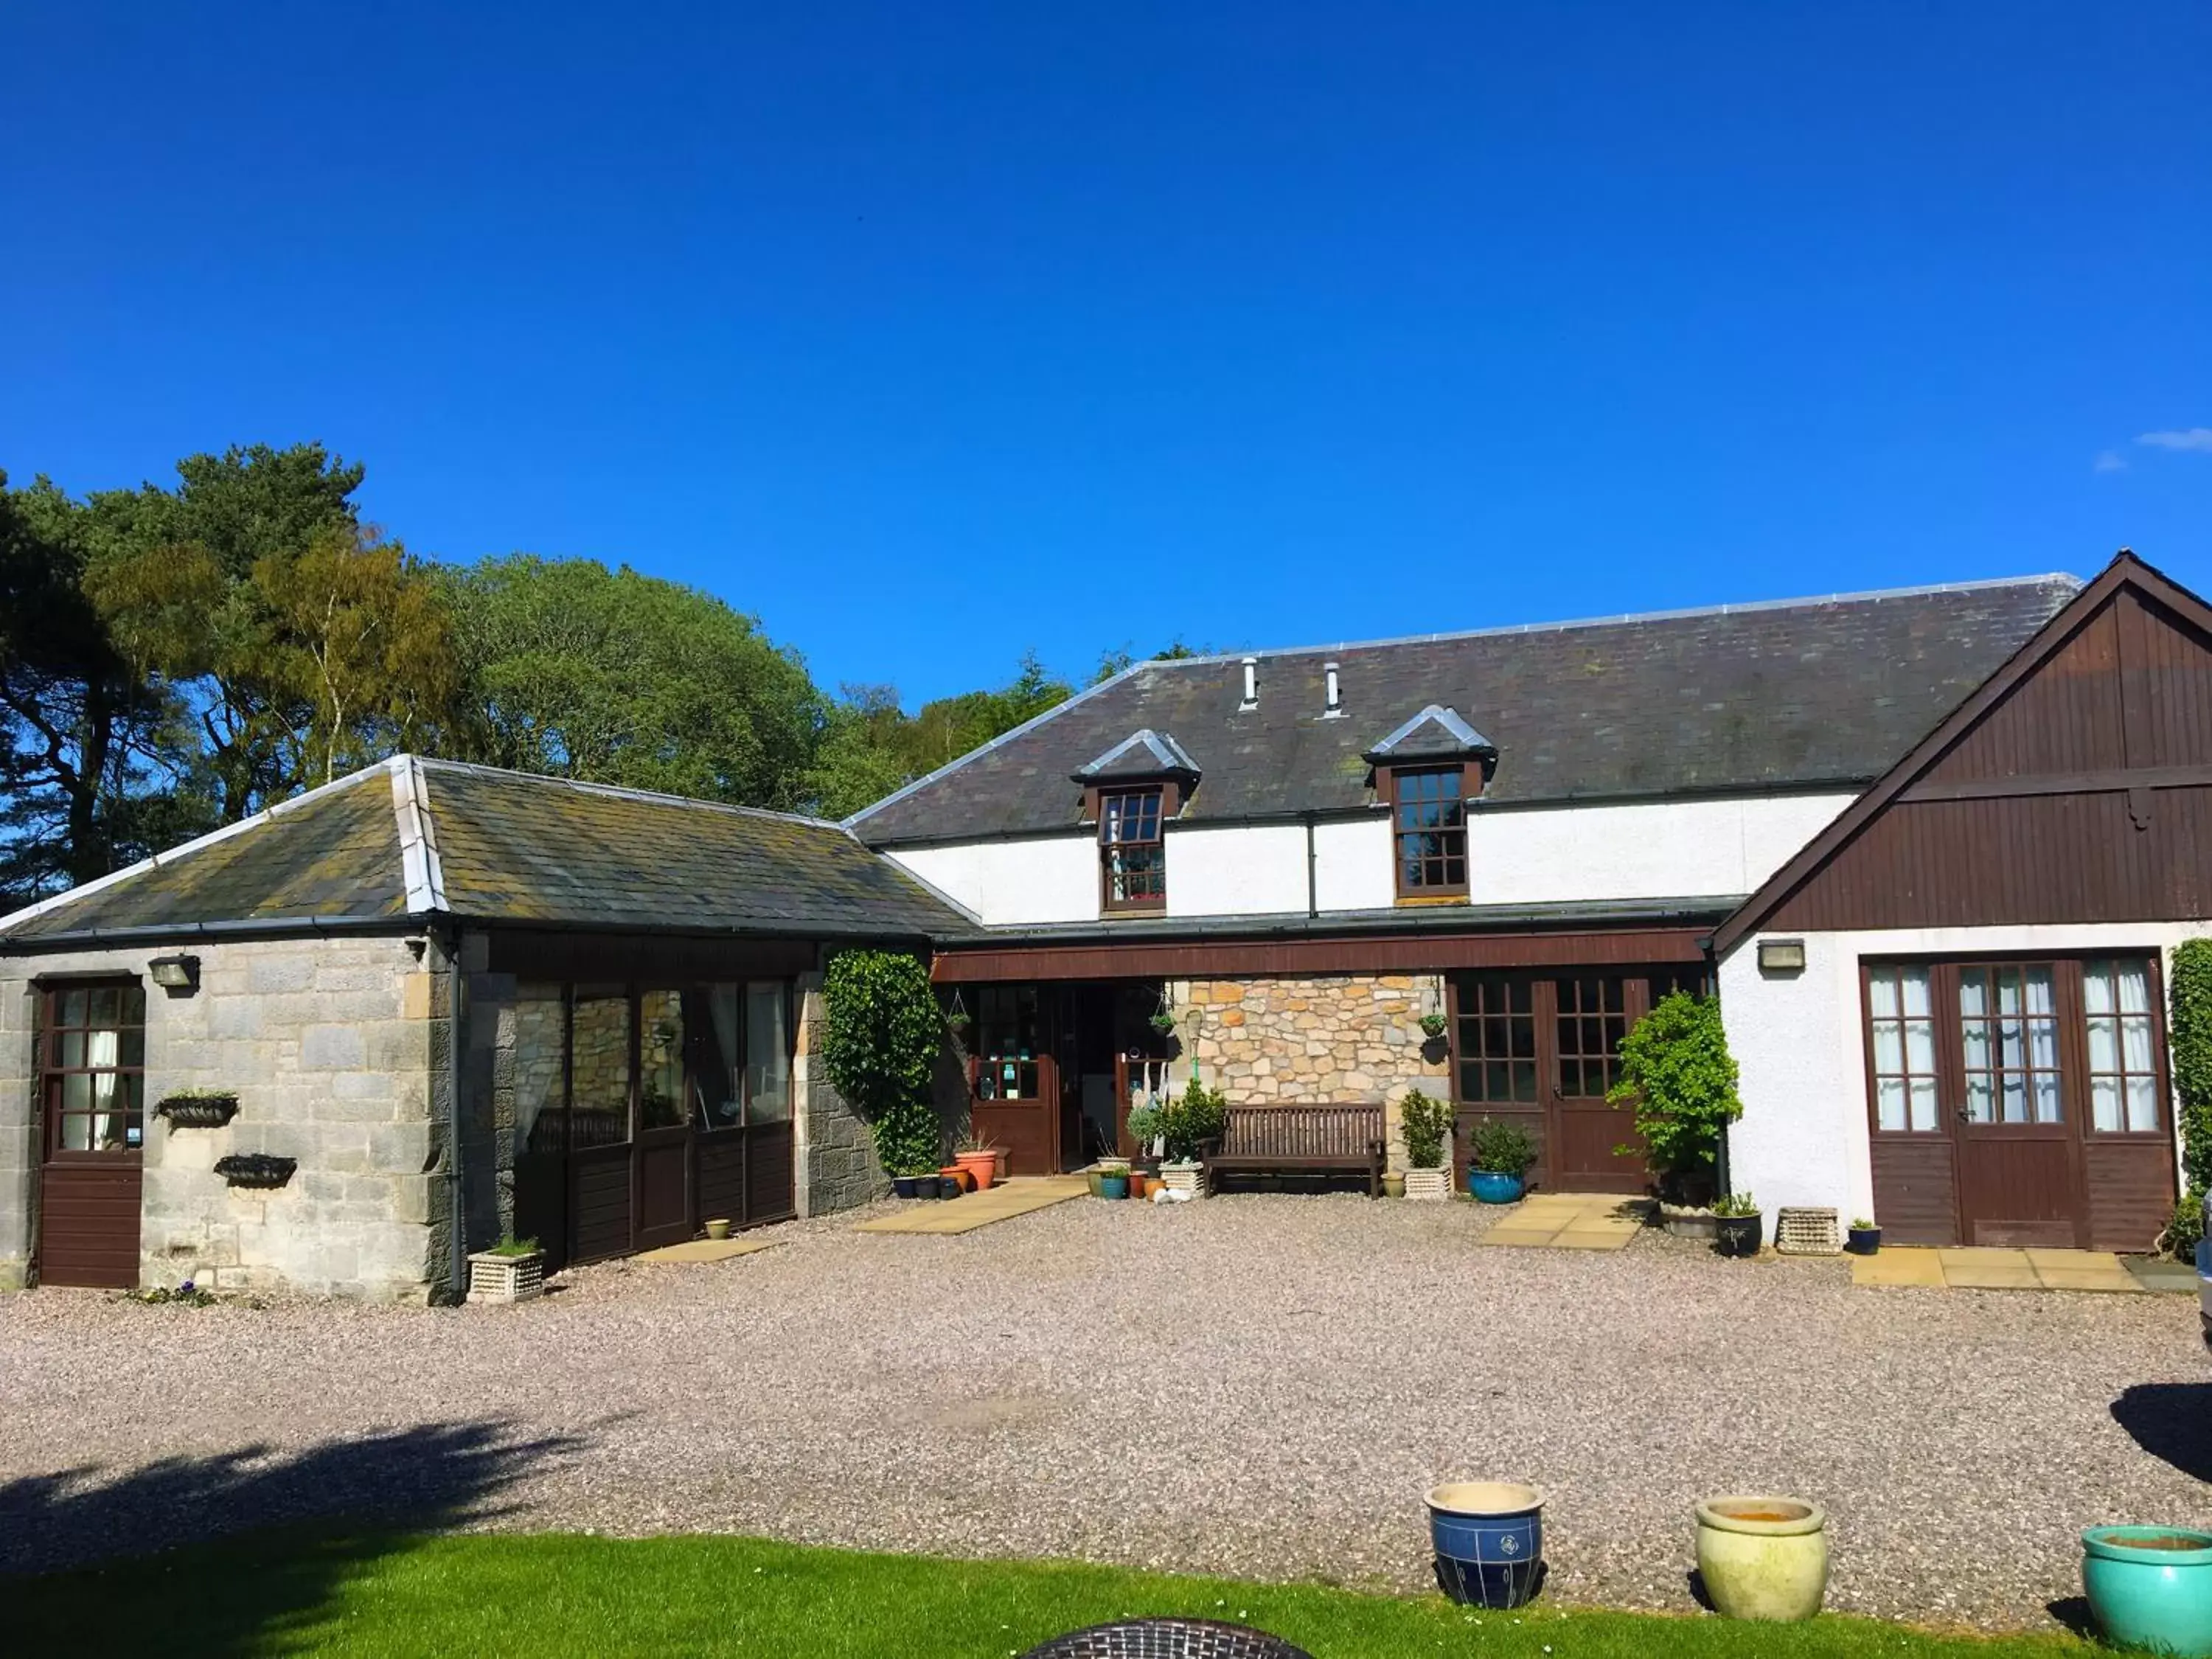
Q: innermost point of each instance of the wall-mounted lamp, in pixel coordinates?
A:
(178, 975)
(1782, 956)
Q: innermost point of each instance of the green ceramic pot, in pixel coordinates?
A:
(1763, 1557)
(2151, 1587)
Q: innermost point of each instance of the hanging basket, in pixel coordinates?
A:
(256, 1168)
(209, 1111)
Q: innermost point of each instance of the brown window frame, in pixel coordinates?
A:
(1164, 803)
(1445, 890)
(52, 1073)
(2076, 1111)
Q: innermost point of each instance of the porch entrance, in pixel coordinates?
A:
(1051, 1067)
(643, 1111)
(1541, 1050)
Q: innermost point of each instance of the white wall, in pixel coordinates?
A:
(1012, 882)
(1665, 849)
(1236, 869)
(1799, 1043)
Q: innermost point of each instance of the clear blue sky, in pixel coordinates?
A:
(932, 332)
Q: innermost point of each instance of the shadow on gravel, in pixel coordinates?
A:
(411, 1480)
(2172, 1421)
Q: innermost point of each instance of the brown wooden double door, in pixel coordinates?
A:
(1543, 1049)
(91, 1061)
(2019, 1102)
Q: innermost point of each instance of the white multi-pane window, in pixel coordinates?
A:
(2123, 1068)
(2009, 1021)
(1902, 1011)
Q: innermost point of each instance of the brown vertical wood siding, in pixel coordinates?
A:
(2096, 774)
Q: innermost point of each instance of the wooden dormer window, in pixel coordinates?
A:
(1428, 815)
(1133, 856)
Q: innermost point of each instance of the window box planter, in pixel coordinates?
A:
(256, 1168)
(1431, 1186)
(497, 1276)
(210, 1110)
(1688, 1221)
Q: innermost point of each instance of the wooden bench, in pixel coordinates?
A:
(1302, 1141)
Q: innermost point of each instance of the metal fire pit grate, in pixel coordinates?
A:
(1807, 1232)
(1168, 1638)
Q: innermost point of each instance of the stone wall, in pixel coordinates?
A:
(837, 1166)
(330, 1044)
(1333, 1038)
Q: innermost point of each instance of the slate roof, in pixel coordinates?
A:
(415, 838)
(1790, 694)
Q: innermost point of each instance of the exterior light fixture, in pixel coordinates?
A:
(1782, 956)
(176, 974)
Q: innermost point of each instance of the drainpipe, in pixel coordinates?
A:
(457, 1267)
(1313, 879)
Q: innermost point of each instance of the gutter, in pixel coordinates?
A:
(457, 1264)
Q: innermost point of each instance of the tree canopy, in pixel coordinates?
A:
(176, 656)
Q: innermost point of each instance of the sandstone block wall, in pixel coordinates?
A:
(837, 1166)
(1332, 1038)
(331, 1045)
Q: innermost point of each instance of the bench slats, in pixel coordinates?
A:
(1317, 1137)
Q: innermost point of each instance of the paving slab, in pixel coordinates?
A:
(1568, 1221)
(708, 1249)
(1022, 1195)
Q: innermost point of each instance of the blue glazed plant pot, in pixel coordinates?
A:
(1113, 1186)
(1489, 1540)
(902, 1185)
(2151, 1587)
(1492, 1186)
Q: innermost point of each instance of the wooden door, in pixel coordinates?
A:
(1013, 1079)
(1588, 1017)
(663, 1124)
(92, 1055)
(2016, 1103)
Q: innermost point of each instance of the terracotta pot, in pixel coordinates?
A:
(1137, 1186)
(981, 1168)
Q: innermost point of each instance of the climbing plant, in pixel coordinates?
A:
(2189, 1039)
(881, 1030)
(1676, 1071)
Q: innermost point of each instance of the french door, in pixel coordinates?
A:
(2019, 1103)
(1542, 1050)
(91, 1056)
(1013, 1079)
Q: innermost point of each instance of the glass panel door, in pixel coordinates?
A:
(2009, 1025)
(599, 1051)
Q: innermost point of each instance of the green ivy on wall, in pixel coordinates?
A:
(881, 1031)
(2189, 1039)
(1676, 1071)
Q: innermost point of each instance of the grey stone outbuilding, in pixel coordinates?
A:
(335, 1047)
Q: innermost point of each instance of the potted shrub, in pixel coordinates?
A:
(1190, 1127)
(1737, 1224)
(1763, 1557)
(1677, 1072)
(1426, 1122)
(2150, 1587)
(512, 1270)
(1498, 1155)
(1864, 1238)
(1114, 1183)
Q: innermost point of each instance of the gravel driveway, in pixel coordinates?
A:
(1256, 1386)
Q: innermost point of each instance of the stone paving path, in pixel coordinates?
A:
(1569, 1221)
(1984, 1269)
(1022, 1195)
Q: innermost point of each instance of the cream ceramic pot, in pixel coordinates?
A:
(1763, 1557)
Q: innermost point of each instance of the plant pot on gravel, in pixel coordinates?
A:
(1864, 1238)
(1498, 1155)
(1184, 1175)
(1489, 1541)
(2150, 1587)
(1737, 1226)
(1114, 1184)
(511, 1272)
(1431, 1186)
(902, 1186)
(1426, 1123)
(1393, 1185)
(718, 1229)
(1763, 1557)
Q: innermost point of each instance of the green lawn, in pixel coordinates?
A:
(559, 1594)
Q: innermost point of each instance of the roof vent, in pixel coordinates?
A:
(1332, 693)
(1251, 683)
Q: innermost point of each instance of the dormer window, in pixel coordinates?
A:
(1130, 793)
(1426, 771)
(1132, 858)
(1428, 813)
